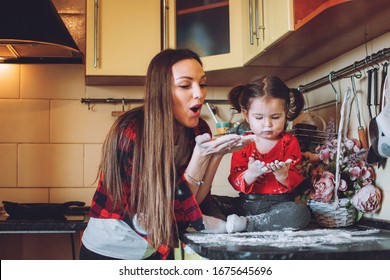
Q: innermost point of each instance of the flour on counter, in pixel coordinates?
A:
(287, 238)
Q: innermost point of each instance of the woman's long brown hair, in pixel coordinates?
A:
(155, 161)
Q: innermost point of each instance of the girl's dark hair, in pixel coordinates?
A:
(241, 97)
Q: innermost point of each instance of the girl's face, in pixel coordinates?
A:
(266, 117)
(189, 91)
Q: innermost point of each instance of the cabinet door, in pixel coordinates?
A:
(278, 20)
(122, 36)
(197, 25)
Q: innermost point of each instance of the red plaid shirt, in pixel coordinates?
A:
(187, 210)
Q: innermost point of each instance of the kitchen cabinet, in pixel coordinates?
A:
(323, 30)
(294, 38)
(271, 19)
(122, 36)
(228, 34)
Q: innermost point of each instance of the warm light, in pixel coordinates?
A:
(5, 67)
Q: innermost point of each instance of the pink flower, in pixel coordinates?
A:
(359, 171)
(367, 199)
(352, 144)
(349, 143)
(323, 187)
(326, 155)
(343, 185)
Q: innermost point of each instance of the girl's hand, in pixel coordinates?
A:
(280, 169)
(255, 169)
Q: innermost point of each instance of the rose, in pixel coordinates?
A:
(367, 199)
(326, 155)
(323, 187)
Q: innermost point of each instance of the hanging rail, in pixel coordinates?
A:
(90, 101)
(349, 70)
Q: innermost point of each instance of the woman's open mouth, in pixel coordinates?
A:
(196, 109)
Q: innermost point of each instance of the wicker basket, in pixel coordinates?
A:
(328, 216)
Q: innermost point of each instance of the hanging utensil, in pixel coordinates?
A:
(369, 86)
(376, 102)
(384, 75)
(212, 113)
(362, 133)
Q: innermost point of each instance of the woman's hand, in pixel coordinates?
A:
(222, 145)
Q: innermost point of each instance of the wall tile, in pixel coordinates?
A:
(9, 80)
(50, 165)
(92, 157)
(72, 122)
(61, 195)
(24, 121)
(52, 81)
(115, 92)
(8, 165)
(25, 195)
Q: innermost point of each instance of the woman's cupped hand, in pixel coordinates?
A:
(225, 144)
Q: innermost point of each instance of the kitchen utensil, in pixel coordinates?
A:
(376, 102)
(380, 131)
(38, 210)
(212, 112)
(362, 133)
(384, 75)
(369, 86)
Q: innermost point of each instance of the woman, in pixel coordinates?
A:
(158, 163)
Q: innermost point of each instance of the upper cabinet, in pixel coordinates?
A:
(238, 40)
(122, 36)
(228, 34)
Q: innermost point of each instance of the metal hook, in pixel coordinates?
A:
(331, 83)
(357, 74)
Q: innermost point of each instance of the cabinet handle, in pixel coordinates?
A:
(95, 33)
(250, 22)
(257, 19)
(165, 24)
(262, 26)
(257, 26)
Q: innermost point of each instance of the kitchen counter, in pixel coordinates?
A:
(70, 223)
(314, 243)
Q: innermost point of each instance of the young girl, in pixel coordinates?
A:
(264, 172)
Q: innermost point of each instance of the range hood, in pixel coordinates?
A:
(32, 31)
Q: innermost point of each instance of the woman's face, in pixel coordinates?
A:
(266, 117)
(189, 91)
